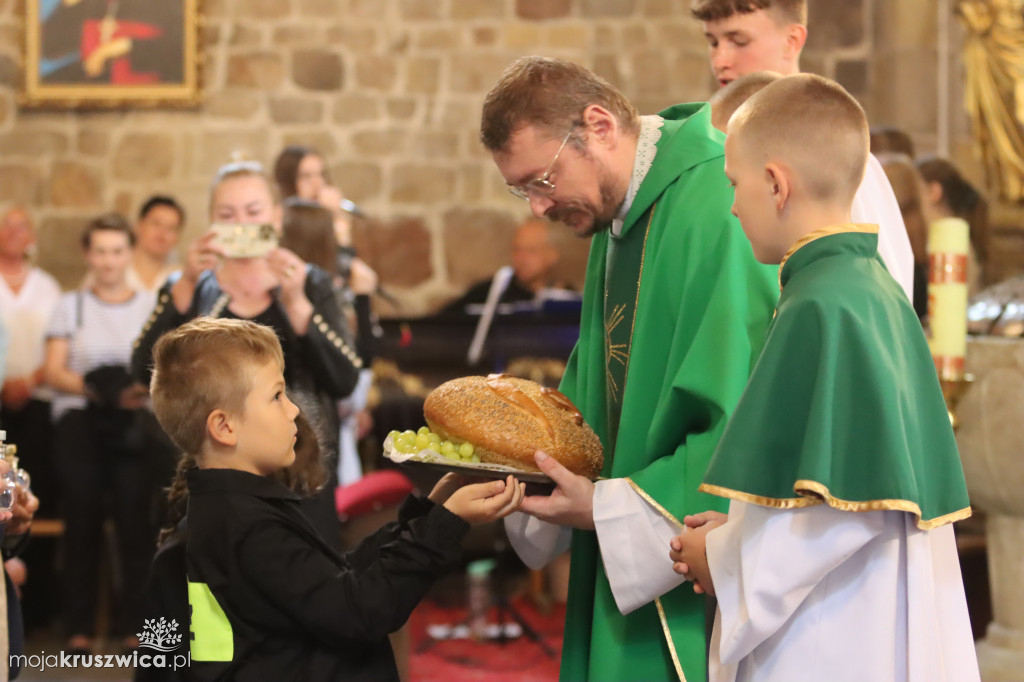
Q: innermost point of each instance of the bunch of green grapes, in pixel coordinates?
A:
(410, 443)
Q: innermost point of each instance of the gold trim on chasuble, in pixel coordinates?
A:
(616, 352)
(813, 493)
(864, 228)
(654, 503)
(668, 639)
(657, 602)
(661, 609)
(619, 352)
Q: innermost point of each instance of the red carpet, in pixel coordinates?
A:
(463, 660)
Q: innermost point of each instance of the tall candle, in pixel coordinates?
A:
(948, 247)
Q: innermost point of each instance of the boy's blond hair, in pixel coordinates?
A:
(789, 11)
(205, 365)
(813, 125)
(728, 99)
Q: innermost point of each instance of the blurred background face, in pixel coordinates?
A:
(157, 232)
(243, 199)
(108, 255)
(310, 177)
(16, 235)
(533, 255)
(933, 201)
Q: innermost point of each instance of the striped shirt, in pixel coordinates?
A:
(99, 333)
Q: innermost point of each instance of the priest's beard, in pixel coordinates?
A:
(584, 218)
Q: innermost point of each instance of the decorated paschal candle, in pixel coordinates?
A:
(948, 246)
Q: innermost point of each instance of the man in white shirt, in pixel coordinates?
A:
(28, 296)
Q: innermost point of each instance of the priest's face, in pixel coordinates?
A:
(753, 201)
(749, 42)
(562, 182)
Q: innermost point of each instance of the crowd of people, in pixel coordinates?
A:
(77, 363)
(240, 383)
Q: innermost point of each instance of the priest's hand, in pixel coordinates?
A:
(572, 502)
(689, 553)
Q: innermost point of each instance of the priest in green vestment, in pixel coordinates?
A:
(675, 310)
(837, 559)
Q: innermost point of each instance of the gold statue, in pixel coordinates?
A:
(994, 97)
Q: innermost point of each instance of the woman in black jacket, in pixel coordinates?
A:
(281, 291)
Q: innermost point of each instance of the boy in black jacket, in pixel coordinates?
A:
(269, 598)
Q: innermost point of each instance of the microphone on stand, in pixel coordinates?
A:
(389, 297)
(345, 259)
(499, 284)
(350, 207)
(346, 254)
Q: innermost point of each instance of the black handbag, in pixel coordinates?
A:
(104, 384)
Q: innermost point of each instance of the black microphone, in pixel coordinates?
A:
(350, 207)
(345, 256)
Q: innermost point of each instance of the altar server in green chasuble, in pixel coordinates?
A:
(837, 559)
(675, 310)
(749, 36)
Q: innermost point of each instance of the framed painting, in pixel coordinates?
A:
(111, 53)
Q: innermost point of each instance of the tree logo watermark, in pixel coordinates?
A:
(159, 635)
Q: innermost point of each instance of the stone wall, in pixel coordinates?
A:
(390, 92)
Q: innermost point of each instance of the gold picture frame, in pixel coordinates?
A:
(111, 53)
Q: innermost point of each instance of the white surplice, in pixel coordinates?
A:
(875, 203)
(817, 594)
(633, 537)
(26, 315)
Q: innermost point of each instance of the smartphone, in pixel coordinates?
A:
(245, 240)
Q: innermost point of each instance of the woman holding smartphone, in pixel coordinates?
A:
(279, 290)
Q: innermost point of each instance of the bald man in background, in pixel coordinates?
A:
(534, 257)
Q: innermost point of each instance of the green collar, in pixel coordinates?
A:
(687, 139)
(857, 239)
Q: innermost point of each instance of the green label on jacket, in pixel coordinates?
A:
(212, 637)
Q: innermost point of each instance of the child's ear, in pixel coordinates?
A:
(796, 37)
(778, 184)
(221, 428)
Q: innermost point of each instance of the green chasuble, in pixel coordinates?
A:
(675, 311)
(844, 405)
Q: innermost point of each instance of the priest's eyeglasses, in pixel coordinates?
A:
(541, 185)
